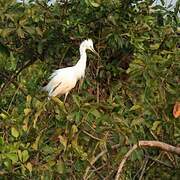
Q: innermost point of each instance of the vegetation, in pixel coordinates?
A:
(128, 95)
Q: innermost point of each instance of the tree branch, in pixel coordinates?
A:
(161, 145)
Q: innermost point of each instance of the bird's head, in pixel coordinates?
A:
(88, 44)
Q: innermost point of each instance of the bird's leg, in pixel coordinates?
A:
(65, 97)
(80, 84)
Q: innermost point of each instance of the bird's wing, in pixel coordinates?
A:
(62, 80)
(56, 79)
(59, 71)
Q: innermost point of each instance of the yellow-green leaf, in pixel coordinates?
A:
(154, 46)
(60, 166)
(25, 155)
(27, 111)
(60, 103)
(4, 116)
(14, 132)
(155, 125)
(28, 101)
(29, 166)
(63, 141)
(35, 144)
(135, 107)
(94, 4)
(74, 129)
(36, 117)
(13, 157)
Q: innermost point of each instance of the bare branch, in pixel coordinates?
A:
(161, 145)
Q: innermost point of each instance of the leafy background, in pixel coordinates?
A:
(128, 94)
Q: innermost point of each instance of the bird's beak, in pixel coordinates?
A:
(94, 52)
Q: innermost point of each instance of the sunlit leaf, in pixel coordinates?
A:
(63, 141)
(94, 4)
(25, 155)
(14, 132)
(35, 145)
(155, 125)
(29, 166)
(135, 107)
(27, 111)
(74, 129)
(13, 157)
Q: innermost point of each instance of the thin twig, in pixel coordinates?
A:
(12, 99)
(160, 162)
(97, 72)
(14, 83)
(151, 165)
(91, 135)
(143, 169)
(96, 158)
(95, 171)
(124, 160)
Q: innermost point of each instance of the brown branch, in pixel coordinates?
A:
(161, 145)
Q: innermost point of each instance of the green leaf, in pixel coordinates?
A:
(155, 46)
(1, 141)
(94, 4)
(25, 155)
(155, 125)
(8, 163)
(13, 157)
(135, 107)
(96, 113)
(60, 103)
(14, 132)
(60, 167)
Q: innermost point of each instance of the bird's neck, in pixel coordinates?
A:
(81, 64)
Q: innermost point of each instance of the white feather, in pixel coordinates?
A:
(65, 79)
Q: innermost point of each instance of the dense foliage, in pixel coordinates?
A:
(128, 94)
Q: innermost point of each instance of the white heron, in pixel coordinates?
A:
(63, 80)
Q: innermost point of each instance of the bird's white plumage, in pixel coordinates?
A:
(65, 79)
